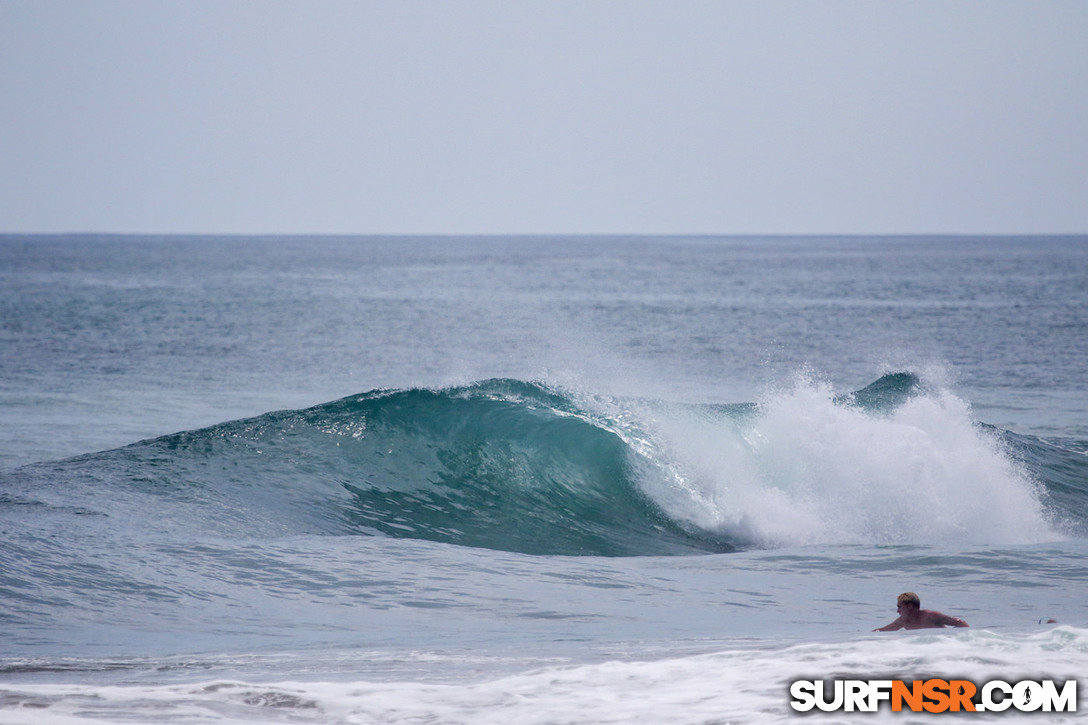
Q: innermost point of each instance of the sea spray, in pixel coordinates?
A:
(900, 464)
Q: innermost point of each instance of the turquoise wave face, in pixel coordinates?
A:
(502, 465)
(515, 466)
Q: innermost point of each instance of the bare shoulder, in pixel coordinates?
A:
(940, 619)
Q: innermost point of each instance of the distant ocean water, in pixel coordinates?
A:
(531, 479)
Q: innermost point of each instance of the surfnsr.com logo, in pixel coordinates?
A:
(934, 695)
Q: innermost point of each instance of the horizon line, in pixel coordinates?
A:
(551, 235)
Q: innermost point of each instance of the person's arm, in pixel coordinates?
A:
(950, 621)
(897, 624)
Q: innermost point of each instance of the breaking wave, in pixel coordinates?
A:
(522, 467)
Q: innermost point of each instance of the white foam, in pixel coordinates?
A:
(742, 686)
(806, 470)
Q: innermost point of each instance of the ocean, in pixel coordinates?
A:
(534, 479)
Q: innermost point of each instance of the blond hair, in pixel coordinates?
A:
(909, 598)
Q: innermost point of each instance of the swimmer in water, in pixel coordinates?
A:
(912, 616)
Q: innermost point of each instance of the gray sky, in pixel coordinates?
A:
(473, 116)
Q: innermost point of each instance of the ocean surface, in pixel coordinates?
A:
(533, 479)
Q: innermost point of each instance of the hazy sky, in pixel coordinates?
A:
(670, 116)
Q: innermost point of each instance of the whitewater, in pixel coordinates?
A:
(541, 480)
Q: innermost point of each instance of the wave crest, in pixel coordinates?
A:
(893, 463)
